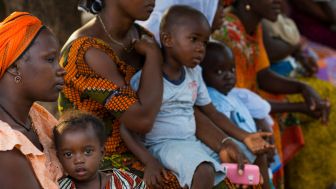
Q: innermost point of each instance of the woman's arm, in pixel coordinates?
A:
(141, 115)
(272, 82)
(276, 48)
(15, 171)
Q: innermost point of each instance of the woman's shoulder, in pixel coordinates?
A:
(9, 139)
(83, 42)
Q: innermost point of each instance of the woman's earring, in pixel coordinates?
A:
(17, 79)
(248, 7)
(101, 163)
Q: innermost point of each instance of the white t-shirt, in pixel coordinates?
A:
(176, 116)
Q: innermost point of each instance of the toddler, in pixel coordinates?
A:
(184, 33)
(79, 138)
(218, 70)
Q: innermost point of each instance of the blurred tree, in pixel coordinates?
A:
(2, 11)
(60, 16)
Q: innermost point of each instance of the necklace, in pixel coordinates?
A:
(100, 180)
(128, 51)
(10, 115)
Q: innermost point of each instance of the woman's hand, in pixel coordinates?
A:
(230, 152)
(256, 143)
(316, 106)
(318, 113)
(308, 62)
(152, 176)
(146, 45)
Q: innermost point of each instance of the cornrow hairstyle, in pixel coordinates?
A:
(92, 6)
(72, 120)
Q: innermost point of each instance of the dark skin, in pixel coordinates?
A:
(263, 126)
(80, 153)
(219, 72)
(40, 71)
(119, 17)
(314, 104)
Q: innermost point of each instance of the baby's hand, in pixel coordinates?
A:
(256, 144)
(152, 176)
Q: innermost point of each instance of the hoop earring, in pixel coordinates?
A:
(248, 7)
(17, 79)
(102, 163)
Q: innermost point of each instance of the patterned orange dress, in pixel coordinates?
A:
(84, 89)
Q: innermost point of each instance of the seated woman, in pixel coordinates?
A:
(29, 72)
(243, 33)
(293, 55)
(277, 47)
(101, 58)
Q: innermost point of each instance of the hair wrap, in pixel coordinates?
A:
(17, 31)
(92, 6)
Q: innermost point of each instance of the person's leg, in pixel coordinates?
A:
(261, 161)
(204, 177)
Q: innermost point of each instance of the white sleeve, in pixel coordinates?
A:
(258, 107)
(135, 81)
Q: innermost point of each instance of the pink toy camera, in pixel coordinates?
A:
(251, 174)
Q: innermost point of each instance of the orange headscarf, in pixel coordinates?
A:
(17, 31)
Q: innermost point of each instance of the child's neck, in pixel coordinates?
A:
(92, 182)
(172, 68)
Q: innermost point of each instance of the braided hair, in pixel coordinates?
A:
(92, 6)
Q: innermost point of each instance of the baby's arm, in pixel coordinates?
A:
(254, 141)
(263, 126)
(153, 170)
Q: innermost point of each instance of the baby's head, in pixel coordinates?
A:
(184, 34)
(79, 138)
(219, 68)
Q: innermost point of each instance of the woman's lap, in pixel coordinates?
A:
(313, 166)
(130, 163)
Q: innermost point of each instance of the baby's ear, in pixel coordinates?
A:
(103, 152)
(166, 39)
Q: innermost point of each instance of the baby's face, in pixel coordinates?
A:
(189, 43)
(80, 153)
(222, 75)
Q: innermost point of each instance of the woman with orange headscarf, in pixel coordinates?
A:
(29, 72)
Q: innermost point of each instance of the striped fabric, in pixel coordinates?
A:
(119, 180)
